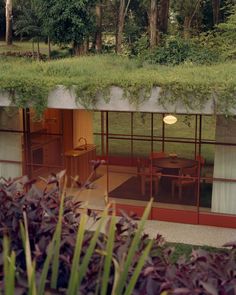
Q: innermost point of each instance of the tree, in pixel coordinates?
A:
(2, 19)
(162, 16)
(69, 21)
(216, 11)
(98, 33)
(123, 9)
(153, 24)
(187, 11)
(9, 18)
(29, 21)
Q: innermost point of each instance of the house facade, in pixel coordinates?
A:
(128, 137)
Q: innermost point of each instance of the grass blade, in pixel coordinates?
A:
(83, 267)
(116, 277)
(29, 264)
(11, 274)
(22, 232)
(32, 285)
(8, 267)
(108, 258)
(6, 248)
(132, 250)
(56, 256)
(138, 269)
(73, 281)
(44, 274)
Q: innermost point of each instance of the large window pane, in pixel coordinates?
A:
(183, 128)
(97, 128)
(142, 124)
(184, 150)
(119, 123)
(208, 127)
(119, 147)
(141, 148)
(157, 124)
(11, 119)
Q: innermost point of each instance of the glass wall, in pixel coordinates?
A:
(135, 141)
(44, 143)
(28, 145)
(197, 173)
(11, 142)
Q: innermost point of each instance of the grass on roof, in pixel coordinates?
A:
(92, 73)
(115, 70)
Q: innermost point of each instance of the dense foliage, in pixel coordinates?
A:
(120, 257)
(176, 50)
(188, 32)
(68, 21)
(30, 82)
(94, 24)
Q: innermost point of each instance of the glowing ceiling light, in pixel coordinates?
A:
(170, 119)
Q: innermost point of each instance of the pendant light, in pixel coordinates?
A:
(170, 119)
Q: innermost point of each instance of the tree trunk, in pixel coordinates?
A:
(32, 48)
(187, 25)
(49, 48)
(98, 34)
(153, 24)
(76, 48)
(38, 51)
(163, 16)
(80, 49)
(189, 18)
(86, 46)
(9, 22)
(216, 11)
(120, 26)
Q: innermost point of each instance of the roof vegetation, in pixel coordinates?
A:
(29, 82)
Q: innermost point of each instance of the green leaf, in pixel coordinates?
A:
(11, 274)
(6, 248)
(73, 281)
(116, 277)
(30, 266)
(55, 263)
(138, 269)
(22, 232)
(83, 267)
(132, 250)
(108, 258)
(8, 267)
(45, 269)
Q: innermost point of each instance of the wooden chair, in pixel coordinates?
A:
(188, 178)
(156, 155)
(200, 160)
(147, 175)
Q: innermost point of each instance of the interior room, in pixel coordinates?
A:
(184, 165)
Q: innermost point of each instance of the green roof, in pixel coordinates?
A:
(32, 80)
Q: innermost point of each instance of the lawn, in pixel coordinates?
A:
(25, 46)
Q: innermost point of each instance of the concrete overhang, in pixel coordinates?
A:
(62, 98)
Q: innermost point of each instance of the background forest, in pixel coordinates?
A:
(158, 31)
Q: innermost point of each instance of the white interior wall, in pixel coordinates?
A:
(82, 127)
(10, 142)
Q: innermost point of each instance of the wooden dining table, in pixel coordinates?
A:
(172, 166)
(174, 163)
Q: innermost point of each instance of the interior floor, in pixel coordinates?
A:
(124, 187)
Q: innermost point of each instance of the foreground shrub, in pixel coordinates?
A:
(26, 54)
(46, 245)
(176, 50)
